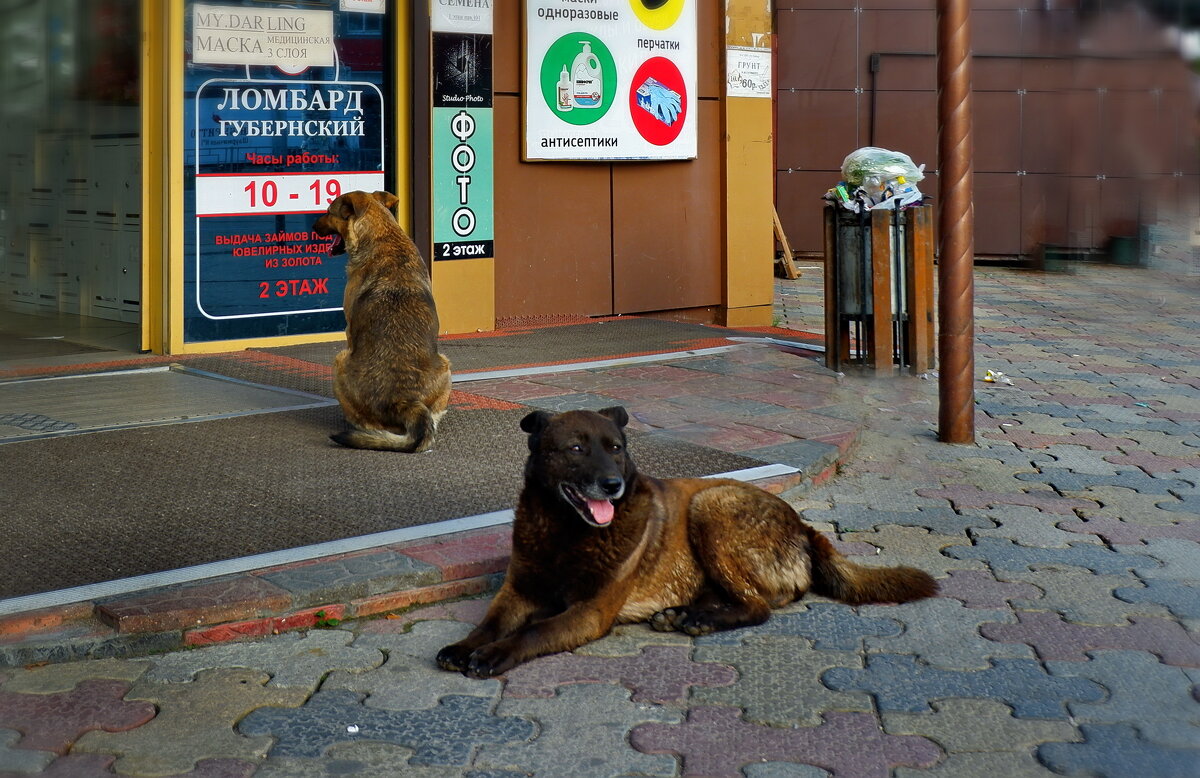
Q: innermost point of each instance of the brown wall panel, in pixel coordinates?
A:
(996, 131)
(1034, 212)
(1046, 74)
(1151, 203)
(1120, 204)
(1117, 73)
(817, 129)
(553, 229)
(667, 227)
(798, 200)
(1043, 211)
(902, 72)
(508, 38)
(1078, 121)
(907, 122)
(1051, 33)
(1083, 212)
(1180, 130)
(995, 74)
(891, 5)
(710, 46)
(1044, 133)
(997, 30)
(1173, 76)
(815, 5)
(816, 49)
(898, 31)
(1128, 144)
(997, 213)
(1062, 101)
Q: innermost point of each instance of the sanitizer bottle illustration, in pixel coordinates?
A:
(586, 83)
(564, 103)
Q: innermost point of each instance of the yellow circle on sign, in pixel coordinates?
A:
(657, 14)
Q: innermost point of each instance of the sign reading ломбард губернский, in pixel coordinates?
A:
(284, 109)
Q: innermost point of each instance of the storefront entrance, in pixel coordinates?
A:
(164, 162)
(70, 186)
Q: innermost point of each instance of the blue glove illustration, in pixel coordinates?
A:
(662, 103)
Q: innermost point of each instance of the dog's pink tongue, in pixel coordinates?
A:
(602, 510)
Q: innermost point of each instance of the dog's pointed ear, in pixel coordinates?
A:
(535, 422)
(386, 199)
(617, 414)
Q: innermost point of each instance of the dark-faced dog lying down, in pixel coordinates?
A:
(595, 542)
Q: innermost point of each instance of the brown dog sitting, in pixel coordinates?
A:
(595, 542)
(391, 381)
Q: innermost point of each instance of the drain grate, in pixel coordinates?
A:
(64, 405)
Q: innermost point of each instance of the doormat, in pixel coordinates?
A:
(64, 405)
(85, 509)
(603, 339)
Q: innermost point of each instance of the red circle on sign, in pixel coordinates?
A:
(658, 101)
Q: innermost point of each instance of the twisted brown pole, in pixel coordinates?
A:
(956, 223)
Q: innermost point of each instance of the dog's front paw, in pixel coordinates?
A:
(685, 620)
(489, 661)
(664, 620)
(454, 658)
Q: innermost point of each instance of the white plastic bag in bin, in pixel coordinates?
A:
(871, 164)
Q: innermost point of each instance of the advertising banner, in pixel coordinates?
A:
(461, 139)
(610, 80)
(284, 110)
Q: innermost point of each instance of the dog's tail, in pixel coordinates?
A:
(419, 426)
(835, 576)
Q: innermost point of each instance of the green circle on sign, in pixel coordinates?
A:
(579, 78)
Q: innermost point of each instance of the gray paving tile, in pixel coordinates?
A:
(293, 659)
(1140, 690)
(593, 742)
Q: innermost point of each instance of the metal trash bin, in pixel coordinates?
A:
(879, 260)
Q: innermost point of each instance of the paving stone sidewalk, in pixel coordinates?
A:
(1066, 640)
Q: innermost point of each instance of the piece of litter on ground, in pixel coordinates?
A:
(352, 729)
(996, 377)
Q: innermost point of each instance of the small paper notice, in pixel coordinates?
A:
(748, 72)
(288, 39)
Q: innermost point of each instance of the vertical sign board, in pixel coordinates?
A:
(610, 79)
(284, 110)
(461, 143)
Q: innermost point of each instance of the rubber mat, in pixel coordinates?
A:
(83, 509)
(62, 405)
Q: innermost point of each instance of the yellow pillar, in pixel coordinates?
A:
(465, 293)
(749, 161)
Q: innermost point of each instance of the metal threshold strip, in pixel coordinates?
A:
(517, 372)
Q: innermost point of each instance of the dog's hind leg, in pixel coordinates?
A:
(438, 398)
(715, 608)
(748, 557)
